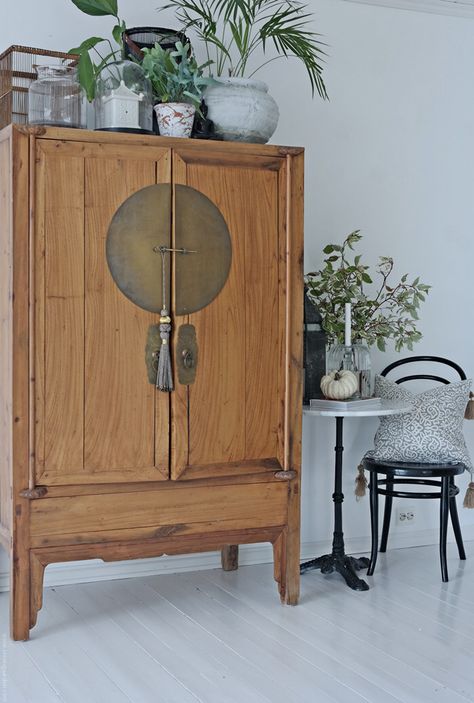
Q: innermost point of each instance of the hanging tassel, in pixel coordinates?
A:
(360, 482)
(469, 412)
(469, 497)
(164, 376)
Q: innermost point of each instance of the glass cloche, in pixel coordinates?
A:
(123, 99)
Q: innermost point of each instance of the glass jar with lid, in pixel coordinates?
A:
(56, 98)
(123, 99)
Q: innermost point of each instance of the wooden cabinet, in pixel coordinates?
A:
(95, 462)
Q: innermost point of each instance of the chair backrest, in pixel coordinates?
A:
(424, 376)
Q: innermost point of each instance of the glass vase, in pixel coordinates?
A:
(56, 98)
(355, 358)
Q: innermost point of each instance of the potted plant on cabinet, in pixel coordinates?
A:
(177, 82)
(233, 31)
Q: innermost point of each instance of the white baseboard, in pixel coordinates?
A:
(96, 570)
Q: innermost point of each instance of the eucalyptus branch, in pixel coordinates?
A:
(391, 312)
(384, 280)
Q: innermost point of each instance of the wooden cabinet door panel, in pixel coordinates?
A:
(97, 417)
(230, 418)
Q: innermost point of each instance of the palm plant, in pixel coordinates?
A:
(233, 30)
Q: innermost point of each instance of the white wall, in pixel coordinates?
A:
(391, 154)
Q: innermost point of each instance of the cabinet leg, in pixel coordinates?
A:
(36, 587)
(20, 583)
(286, 563)
(277, 547)
(230, 557)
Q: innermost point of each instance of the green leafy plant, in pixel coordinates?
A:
(174, 74)
(88, 70)
(233, 30)
(386, 311)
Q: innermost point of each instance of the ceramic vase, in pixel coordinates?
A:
(241, 109)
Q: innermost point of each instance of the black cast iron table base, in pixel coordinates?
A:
(344, 565)
(338, 560)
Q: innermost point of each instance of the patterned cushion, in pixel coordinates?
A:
(432, 432)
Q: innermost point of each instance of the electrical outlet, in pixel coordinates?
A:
(406, 516)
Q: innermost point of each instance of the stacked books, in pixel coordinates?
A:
(350, 403)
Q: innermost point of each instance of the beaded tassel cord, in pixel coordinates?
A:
(164, 376)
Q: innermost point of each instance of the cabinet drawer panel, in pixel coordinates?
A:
(183, 506)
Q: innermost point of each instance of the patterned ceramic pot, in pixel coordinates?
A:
(241, 109)
(175, 119)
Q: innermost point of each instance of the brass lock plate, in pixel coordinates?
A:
(152, 351)
(186, 354)
(143, 223)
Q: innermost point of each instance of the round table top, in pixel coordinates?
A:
(384, 407)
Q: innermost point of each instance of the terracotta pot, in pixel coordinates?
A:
(241, 109)
(175, 119)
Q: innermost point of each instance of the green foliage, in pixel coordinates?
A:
(388, 311)
(97, 7)
(174, 74)
(232, 30)
(88, 70)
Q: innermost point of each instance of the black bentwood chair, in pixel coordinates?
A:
(415, 474)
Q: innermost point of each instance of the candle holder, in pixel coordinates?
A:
(355, 358)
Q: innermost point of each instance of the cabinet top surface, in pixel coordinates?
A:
(84, 135)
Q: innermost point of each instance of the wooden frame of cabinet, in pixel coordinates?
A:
(72, 484)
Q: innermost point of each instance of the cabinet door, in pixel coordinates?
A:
(97, 418)
(231, 419)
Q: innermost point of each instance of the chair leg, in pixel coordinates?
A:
(374, 521)
(455, 522)
(443, 526)
(387, 515)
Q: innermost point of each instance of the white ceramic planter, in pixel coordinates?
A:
(241, 109)
(175, 119)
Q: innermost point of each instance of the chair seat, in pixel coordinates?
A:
(412, 468)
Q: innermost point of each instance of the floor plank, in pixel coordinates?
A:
(223, 637)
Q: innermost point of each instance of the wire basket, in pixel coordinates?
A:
(17, 72)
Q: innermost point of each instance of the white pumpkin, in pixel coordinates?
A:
(339, 385)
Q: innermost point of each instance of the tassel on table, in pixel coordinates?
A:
(469, 412)
(360, 482)
(164, 376)
(469, 497)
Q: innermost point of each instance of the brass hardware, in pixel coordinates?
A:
(186, 354)
(286, 475)
(142, 226)
(152, 352)
(199, 226)
(160, 250)
(33, 493)
(188, 359)
(142, 222)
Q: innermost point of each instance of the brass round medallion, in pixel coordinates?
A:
(144, 223)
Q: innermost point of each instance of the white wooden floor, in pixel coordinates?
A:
(223, 637)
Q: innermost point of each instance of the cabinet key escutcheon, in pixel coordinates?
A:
(186, 354)
(188, 359)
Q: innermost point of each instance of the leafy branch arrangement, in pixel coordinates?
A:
(233, 30)
(87, 69)
(390, 313)
(174, 74)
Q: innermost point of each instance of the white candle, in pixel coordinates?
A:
(347, 326)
